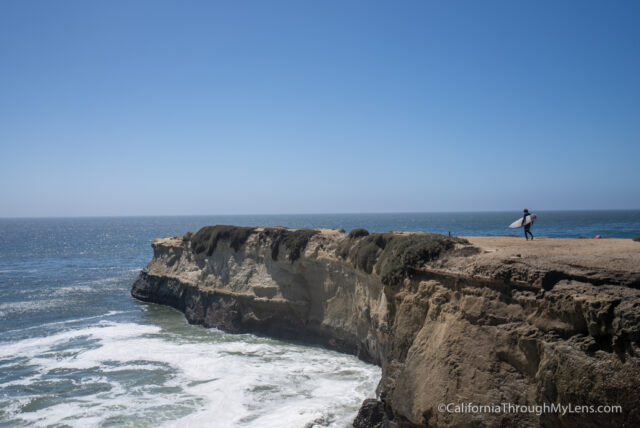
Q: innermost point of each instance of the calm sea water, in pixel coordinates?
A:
(77, 350)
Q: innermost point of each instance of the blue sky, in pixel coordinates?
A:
(156, 107)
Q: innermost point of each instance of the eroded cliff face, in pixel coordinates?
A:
(487, 321)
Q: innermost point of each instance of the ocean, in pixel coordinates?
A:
(76, 349)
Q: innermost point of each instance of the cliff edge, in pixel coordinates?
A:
(481, 320)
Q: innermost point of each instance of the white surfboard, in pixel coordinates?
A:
(518, 223)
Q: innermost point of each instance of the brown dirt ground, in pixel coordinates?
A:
(600, 254)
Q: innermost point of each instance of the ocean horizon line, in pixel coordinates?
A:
(315, 214)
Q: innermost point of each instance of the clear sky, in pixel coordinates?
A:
(188, 107)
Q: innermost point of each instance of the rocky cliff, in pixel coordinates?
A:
(484, 320)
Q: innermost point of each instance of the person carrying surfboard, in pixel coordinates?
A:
(527, 225)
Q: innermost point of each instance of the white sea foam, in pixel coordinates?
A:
(238, 381)
(87, 287)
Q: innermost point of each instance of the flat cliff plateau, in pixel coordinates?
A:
(482, 320)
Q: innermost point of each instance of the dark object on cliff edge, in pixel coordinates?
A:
(395, 255)
(206, 239)
(357, 233)
(295, 240)
(370, 415)
(637, 239)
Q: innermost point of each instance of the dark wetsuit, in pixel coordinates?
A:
(527, 227)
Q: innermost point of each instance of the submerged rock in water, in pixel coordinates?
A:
(482, 321)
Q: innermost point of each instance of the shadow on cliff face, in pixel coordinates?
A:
(394, 255)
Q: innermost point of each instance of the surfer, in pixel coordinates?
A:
(527, 226)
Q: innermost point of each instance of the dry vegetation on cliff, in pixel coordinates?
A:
(295, 240)
(357, 233)
(207, 238)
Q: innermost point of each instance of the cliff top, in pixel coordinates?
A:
(544, 262)
(616, 254)
(392, 255)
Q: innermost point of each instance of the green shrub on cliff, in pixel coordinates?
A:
(394, 255)
(206, 239)
(363, 250)
(637, 239)
(295, 240)
(406, 252)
